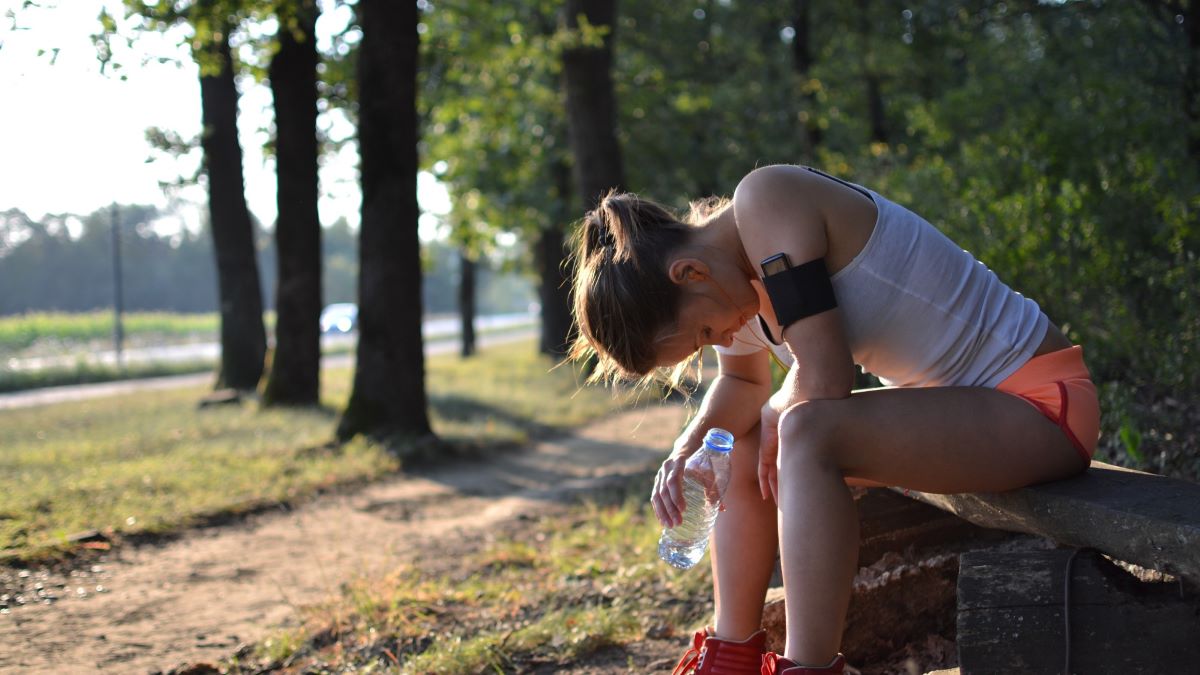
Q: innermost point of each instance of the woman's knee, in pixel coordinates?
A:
(808, 433)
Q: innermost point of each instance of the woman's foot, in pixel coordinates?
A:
(711, 655)
(774, 664)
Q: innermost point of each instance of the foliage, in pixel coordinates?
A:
(493, 115)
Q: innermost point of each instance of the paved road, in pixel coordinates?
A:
(433, 329)
(48, 395)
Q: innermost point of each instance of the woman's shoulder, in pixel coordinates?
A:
(804, 212)
(772, 179)
(771, 196)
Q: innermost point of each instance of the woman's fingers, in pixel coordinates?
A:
(676, 503)
(768, 480)
(656, 500)
(767, 451)
(667, 497)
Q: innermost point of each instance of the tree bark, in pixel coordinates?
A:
(553, 293)
(549, 254)
(592, 104)
(466, 301)
(592, 133)
(802, 60)
(1191, 84)
(243, 337)
(388, 398)
(875, 109)
(294, 377)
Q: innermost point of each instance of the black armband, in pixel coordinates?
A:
(797, 292)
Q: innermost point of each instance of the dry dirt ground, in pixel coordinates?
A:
(197, 598)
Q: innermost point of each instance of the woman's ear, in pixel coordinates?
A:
(685, 271)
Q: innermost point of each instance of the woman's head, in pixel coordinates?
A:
(625, 300)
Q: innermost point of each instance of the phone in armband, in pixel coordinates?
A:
(797, 292)
(775, 264)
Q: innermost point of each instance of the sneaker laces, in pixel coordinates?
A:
(691, 658)
(769, 663)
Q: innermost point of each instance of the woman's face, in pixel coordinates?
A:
(708, 315)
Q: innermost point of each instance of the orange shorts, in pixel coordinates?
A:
(1058, 384)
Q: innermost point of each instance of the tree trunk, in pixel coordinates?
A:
(466, 301)
(549, 254)
(553, 293)
(592, 105)
(875, 110)
(802, 60)
(243, 338)
(592, 132)
(388, 398)
(1191, 84)
(295, 369)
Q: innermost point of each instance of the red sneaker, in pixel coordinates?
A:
(710, 655)
(774, 664)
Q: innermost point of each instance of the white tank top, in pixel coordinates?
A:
(920, 311)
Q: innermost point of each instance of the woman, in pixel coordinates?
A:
(986, 394)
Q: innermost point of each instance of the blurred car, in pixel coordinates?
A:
(340, 317)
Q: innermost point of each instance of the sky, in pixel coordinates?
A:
(72, 139)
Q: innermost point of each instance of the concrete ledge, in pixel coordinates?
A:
(1137, 517)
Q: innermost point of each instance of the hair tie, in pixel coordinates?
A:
(605, 236)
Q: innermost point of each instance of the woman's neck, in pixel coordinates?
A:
(721, 235)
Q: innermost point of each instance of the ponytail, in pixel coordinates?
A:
(623, 298)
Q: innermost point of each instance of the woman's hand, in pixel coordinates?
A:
(768, 453)
(768, 445)
(667, 496)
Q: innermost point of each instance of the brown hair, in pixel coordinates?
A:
(624, 300)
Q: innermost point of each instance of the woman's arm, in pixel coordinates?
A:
(783, 209)
(733, 402)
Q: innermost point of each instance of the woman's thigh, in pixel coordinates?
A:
(744, 470)
(945, 439)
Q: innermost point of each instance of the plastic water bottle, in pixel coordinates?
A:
(705, 477)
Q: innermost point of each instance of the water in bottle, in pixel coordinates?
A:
(705, 478)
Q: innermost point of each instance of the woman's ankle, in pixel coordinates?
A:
(733, 632)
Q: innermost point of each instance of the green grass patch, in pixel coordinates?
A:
(153, 462)
(90, 373)
(542, 596)
(24, 330)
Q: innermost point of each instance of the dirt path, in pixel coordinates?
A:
(197, 598)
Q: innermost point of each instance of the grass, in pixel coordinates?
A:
(89, 373)
(153, 462)
(22, 331)
(545, 595)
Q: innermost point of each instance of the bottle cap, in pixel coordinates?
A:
(718, 440)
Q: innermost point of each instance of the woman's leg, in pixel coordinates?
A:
(743, 547)
(962, 439)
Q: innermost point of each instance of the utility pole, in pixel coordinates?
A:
(118, 291)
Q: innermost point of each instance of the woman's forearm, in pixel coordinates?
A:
(732, 404)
